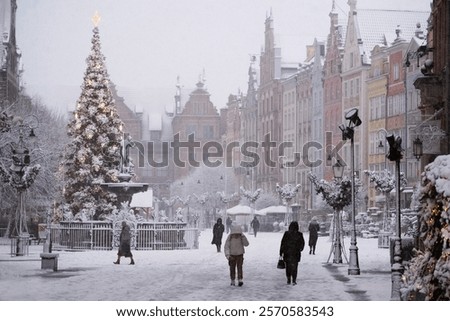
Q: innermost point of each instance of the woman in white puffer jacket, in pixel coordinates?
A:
(234, 252)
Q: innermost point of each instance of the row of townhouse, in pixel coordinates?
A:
(369, 62)
(372, 60)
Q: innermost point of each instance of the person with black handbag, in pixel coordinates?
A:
(292, 245)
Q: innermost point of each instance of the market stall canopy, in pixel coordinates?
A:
(241, 210)
(274, 209)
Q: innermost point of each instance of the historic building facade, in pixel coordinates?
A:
(199, 123)
(9, 54)
(332, 92)
(434, 85)
(361, 39)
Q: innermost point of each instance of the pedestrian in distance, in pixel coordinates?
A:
(218, 230)
(313, 229)
(255, 225)
(228, 223)
(292, 245)
(125, 244)
(234, 252)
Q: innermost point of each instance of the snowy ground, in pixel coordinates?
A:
(196, 275)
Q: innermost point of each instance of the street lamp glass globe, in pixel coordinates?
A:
(338, 169)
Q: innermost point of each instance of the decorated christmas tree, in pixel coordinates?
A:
(94, 154)
(429, 271)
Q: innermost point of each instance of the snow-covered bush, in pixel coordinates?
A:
(429, 271)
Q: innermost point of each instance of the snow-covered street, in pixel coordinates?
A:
(196, 275)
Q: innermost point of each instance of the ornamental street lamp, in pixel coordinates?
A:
(395, 154)
(338, 171)
(348, 133)
(417, 148)
(21, 176)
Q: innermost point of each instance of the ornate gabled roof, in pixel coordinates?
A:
(378, 27)
(200, 90)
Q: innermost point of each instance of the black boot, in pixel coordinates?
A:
(132, 261)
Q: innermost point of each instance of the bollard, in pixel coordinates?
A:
(49, 261)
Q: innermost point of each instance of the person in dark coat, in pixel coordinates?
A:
(292, 245)
(218, 230)
(125, 244)
(229, 221)
(314, 229)
(255, 225)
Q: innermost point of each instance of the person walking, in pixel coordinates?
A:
(313, 229)
(255, 225)
(234, 252)
(228, 224)
(125, 244)
(218, 230)
(292, 245)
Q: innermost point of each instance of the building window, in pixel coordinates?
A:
(396, 71)
(208, 131)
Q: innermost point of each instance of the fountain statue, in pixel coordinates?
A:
(125, 188)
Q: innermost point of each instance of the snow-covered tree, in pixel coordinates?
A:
(251, 196)
(336, 193)
(385, 182)
(44, 149)
(266, 199)
(94, 154)
(287, 192)
(429, 271)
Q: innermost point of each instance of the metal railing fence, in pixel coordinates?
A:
(105, 236)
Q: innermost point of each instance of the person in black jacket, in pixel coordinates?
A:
(314, 229)
(292, 245)
(125, 244)
(255, 225)
(218, 230)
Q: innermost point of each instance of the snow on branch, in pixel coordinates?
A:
(336, 193)
(384, 180)
(252, 197)
(287, 191)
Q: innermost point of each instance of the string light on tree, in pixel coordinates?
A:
(93, 155)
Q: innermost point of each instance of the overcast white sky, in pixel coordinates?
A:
(148, 44)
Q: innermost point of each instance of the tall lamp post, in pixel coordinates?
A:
(338, 171)
(21, 176)
(348, 132)
(395, 154)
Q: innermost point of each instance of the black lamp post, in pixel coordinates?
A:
(348, 133)
(22, 175)
(338, 171)
(395, 154)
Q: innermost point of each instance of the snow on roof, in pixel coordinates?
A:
(143, 199)
(378, 27)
